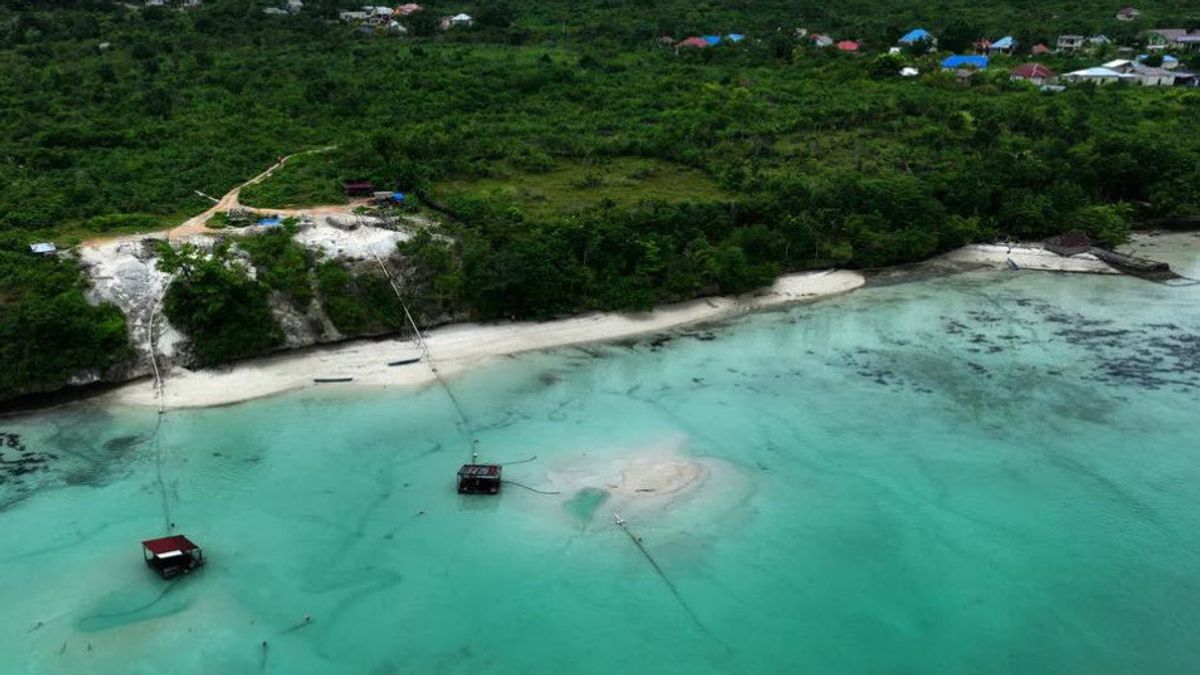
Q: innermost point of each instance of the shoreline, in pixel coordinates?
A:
(460, 347)
(455, 348)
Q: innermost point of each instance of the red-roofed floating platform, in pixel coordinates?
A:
(172, 556)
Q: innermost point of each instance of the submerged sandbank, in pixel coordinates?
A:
(456, 348)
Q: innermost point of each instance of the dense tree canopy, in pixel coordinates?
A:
(795, 157)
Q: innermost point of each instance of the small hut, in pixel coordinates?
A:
(172, 556)
(43, 248)
(1069, 243)
(479, 479)
(358, 188)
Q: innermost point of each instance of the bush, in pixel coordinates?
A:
(48, 331)
(224, 312)
(361, 304)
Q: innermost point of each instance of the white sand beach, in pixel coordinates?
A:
(456, 348)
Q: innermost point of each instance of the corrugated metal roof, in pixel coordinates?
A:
(916, 35)
(971, 60)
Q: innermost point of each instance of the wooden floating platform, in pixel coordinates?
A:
(327, 380)
(479, 479)
(172, 556)
(1142, 267)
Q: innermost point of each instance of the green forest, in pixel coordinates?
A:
(574, 161)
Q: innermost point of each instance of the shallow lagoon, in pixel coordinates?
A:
(987, 473)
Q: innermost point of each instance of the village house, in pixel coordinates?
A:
(1128, 14)
(1149, 76)
(1172, 38)
(407, 8)
(42, 248)
(1169, 62)
(917, 35)
(457, 21)
(1153, 77)
(696, 42)
(819, 40)
(847, 46)
(380, 15)
(1097, 75)
(975, 61)
(1039, 49)
(1005, 45)
(1069, 43)
(294, 6)
(1033, 72)
(1099, 40)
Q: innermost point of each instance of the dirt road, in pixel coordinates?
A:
(198, 224)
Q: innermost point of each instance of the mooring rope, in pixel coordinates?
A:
(429, 357)
(168, 524)
(637, 541)
(114, 615)
(540, 492)
(523, 461)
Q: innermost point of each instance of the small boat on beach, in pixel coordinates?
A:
(405, 362)
(327, 380)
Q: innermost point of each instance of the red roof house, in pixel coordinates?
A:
(848, 46)
(1039, 50)
(696, 42)
(1034, 72)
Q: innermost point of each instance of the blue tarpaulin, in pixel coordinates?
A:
(969, 61)
(711, 39)
(916, 35)
(397, 196)
(273, 220)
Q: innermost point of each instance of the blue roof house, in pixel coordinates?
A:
(968, 61)
(1004, 44)
(917, 35)
(711, 39)
(735, 37)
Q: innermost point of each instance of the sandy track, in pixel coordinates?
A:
(198, 224)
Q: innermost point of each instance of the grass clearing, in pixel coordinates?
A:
(573, 185)
(305, 180)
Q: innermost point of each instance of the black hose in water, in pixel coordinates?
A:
(523, 461)
(162, 485)
(670, 585)
(540, 492)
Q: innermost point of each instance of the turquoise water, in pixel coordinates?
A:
(984, 473)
